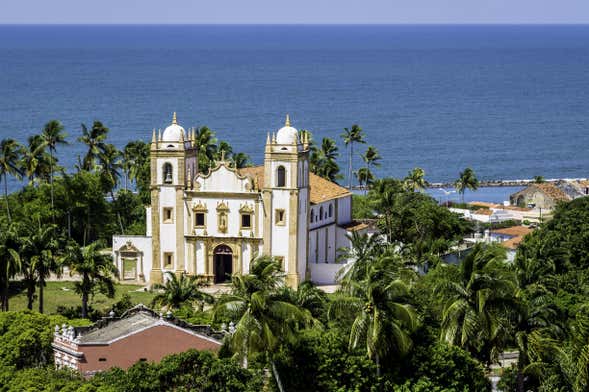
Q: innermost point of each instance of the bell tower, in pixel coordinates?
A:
(173, 165)
(286, 200)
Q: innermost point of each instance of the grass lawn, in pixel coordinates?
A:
(62, 293)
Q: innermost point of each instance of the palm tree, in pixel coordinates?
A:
(110, 166)
(477, 300)
(10, 152)
(379, 304)
(224, 151)
(35, 161)
(207, 148)
(179, 290)
(415, 180)
(10, 263)
(39, 245)
(264, 318)
(467, 180)
(351, 136)
(324, 160)
(53, 135)
(359, 254)
(136, 166)
(240, 160)
(365, 178)
(94, 140)
(95, 269)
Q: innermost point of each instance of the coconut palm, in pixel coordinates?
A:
(95, 269)
(351, 136)
(10, 152)
(466, 180)
(110, 166)
(94, 140)
(379, 305)
(52, 136)
(10, 263)
(240, 160)
(206, 145)
(326, 163)
(39, 245)
(177, 291)
(263, 318)
(365, 178)
(415, 180)
(477, 299)
(224, 151)
(359, 254)
(35, 160)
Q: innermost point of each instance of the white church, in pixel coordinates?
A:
(214, 224)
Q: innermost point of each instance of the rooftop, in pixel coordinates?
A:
(320, 189)
(135, 320)
(514, 231)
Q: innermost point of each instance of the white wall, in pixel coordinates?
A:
(222, 179)
(322, 220)
(344, 210)
(211, 216)
(142, 243)
(325, 273)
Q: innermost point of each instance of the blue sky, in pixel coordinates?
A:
(293, 11)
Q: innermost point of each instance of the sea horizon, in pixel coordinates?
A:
(508, 100)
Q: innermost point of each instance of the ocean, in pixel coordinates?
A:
(511, 102)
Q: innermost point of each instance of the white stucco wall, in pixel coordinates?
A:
(325, 273)
(143, 244)
(344, 210)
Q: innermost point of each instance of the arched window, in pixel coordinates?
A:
(281, 176)
(312, 216)
(167, 173)
(321, 213)
(330, 210)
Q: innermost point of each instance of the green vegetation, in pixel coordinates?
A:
(60, 296)
(387, 327)
(350, 137)
(466, 180)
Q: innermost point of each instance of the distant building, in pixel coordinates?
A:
(139, 335)
(213, 224)
(543, 195)
(510, 238)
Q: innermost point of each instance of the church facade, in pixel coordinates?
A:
(214, 224)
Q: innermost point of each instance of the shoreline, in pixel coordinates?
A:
(501, 183)
(491, 183)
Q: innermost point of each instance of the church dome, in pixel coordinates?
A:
(287, 134)
(174, 132)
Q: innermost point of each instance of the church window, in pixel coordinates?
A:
(246, 221)
(199, 219)
(280, 217)
(281, 176)
(330, 210)
(167, 173)
(312, 216)
(200, 211)
(168, 215)
(168, 259)
(321, 213)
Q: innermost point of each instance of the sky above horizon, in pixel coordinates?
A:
(293, 12)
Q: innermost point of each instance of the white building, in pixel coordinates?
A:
(213, 224)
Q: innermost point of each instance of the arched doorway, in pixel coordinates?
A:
(222, 263)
